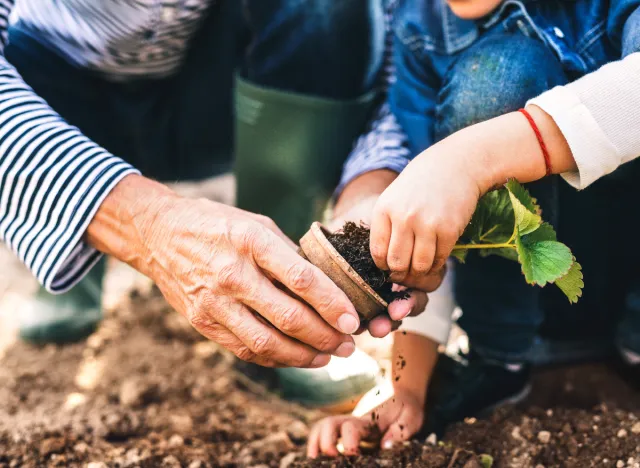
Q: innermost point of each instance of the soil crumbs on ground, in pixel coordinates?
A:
(146, 391)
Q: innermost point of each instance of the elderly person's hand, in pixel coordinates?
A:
(356, 203)
(233, 274)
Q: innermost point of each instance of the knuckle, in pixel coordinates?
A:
(300, 277)
(288, 320)
(326, 342)
(396, 264)
(244, 353)
(229, 275)
(263, 344)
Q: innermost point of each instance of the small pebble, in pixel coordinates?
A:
(631, 461)
(636, 428)
(432, 439)
(171, 462)
(176, 441)
(622, 433)
(620, 464)
(96, 465)
(544, 437)
(549, 412)
(197, 464)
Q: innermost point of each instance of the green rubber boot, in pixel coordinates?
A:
(68, 317)
(290, 149)
(289, 152)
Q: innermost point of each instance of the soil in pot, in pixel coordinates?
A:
(352, 242)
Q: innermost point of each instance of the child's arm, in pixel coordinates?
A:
(588, 126)
(399, 417)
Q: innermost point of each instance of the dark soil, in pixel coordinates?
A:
(352, 242)
(147, 391)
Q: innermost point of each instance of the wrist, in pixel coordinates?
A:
(368, 185)
(508, 148)
(124, 225)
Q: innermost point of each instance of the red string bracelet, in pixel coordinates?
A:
(543, 147)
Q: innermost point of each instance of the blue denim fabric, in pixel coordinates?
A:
(452, 73)
(581, 35)
(181, 127)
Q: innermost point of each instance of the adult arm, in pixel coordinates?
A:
(224, 269)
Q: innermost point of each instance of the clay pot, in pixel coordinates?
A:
(315, 247)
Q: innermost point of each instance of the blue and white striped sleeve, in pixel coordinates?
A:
(52, 181)
(384, 144)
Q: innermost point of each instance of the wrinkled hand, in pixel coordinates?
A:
(217, 265)
(232, 274)
(420, 216)
(360, 212)
(398, 419)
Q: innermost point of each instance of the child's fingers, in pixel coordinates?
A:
(352, 432)
(380, 237)
(400, 251)
(329, 436)
(313, 442)
(380, 326)
(407, 424)
(424, 252)
(410, 306)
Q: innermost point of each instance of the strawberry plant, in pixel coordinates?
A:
(508, 222)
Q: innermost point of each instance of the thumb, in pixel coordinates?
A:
(407, 424)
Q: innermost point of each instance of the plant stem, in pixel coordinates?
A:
(506, 245)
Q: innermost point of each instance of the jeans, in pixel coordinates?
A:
(181, 127)
(503, 315)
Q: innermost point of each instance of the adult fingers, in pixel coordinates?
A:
(221, 335)
(308, 282)
(295, 319)
(262, 340)
(380, 237)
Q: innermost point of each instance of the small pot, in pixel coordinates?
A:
(315, 247)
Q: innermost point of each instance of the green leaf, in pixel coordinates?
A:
(543, 260)
(523, 196)
(527, 219)
(493, 220)
(460, 254)
(571, 284)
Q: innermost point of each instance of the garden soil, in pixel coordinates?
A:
(147, 391)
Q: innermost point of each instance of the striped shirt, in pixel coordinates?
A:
(53, 178)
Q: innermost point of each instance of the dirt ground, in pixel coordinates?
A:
(146, 391)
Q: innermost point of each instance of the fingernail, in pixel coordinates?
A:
(387, 444)
(345, 349)
(320, 360)
(348, 323)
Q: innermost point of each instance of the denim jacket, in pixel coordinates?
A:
(583, 35)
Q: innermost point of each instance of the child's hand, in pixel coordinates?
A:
(398, 419)
(356, 204)
(420, 216)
